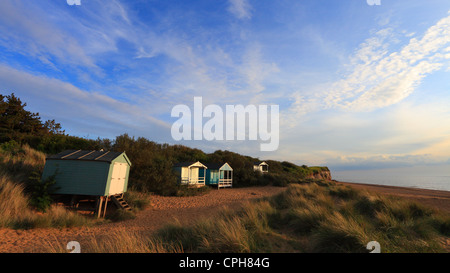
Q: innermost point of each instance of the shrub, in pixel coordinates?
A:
(137, 200)
(41, 191)
(10, 146)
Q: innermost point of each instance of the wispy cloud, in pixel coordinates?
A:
(379, 78)
(141, 58)
(34, 35)
(67, 102)
(240, 8)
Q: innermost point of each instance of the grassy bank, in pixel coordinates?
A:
(17, 165)
(310, 217)
(19, 194)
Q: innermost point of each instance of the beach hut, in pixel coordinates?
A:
(83, 174)
(191, 173)
(261, 166)
(220, 175)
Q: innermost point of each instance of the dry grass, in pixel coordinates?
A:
(311, 217)
(15, 210)
(14, 203)
(314, 217)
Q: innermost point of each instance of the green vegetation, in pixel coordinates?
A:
(310, 216)
(152, 162)
(17, 125)
(307, 217)
(41, 191)
(22, 193)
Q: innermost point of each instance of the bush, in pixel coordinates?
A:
(10, 146)
(137, 200)
(41, 191)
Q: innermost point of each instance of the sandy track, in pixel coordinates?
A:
(163, 211)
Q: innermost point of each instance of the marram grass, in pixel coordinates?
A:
(315, 217)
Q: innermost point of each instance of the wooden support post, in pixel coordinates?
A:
(97, 200)
(74, 202)
(99, 206)
(106, 203)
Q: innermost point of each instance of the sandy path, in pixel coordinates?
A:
(163, 211)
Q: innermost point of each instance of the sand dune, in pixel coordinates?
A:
(186, 210)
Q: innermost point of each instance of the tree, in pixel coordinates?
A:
(23, 126)
(53, 127)
(15, 121)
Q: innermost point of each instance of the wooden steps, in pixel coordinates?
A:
(120, 202)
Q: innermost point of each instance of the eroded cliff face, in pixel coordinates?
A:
(325, 175)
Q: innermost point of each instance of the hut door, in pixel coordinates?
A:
(193, 176)
(118, 178)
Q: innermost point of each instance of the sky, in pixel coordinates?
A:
(357, 85)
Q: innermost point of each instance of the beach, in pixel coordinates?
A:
(434, 198)
(186, 210)
(163, 210)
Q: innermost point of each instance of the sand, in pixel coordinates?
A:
(163, 210)
(186, 210)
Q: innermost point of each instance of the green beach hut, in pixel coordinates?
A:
(101, 174)
(220, 175)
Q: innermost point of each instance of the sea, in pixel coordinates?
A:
(422, 177)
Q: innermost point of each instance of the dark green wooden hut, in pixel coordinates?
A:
(82, 172)
(100, 174)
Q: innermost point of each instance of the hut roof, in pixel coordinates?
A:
(259, 163)
(215, 166)
(188, 163)
(184, 164)
(86, 155)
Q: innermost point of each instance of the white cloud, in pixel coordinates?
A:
(59, 100)
(380, 161)
(48, 37)
(240, 8)
(379, 78)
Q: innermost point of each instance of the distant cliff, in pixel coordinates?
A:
(320, 173)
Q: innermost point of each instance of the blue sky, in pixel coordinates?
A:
(358, 85)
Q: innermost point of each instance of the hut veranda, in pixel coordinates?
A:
(219, 175)
(82, 175)
(197, 174)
